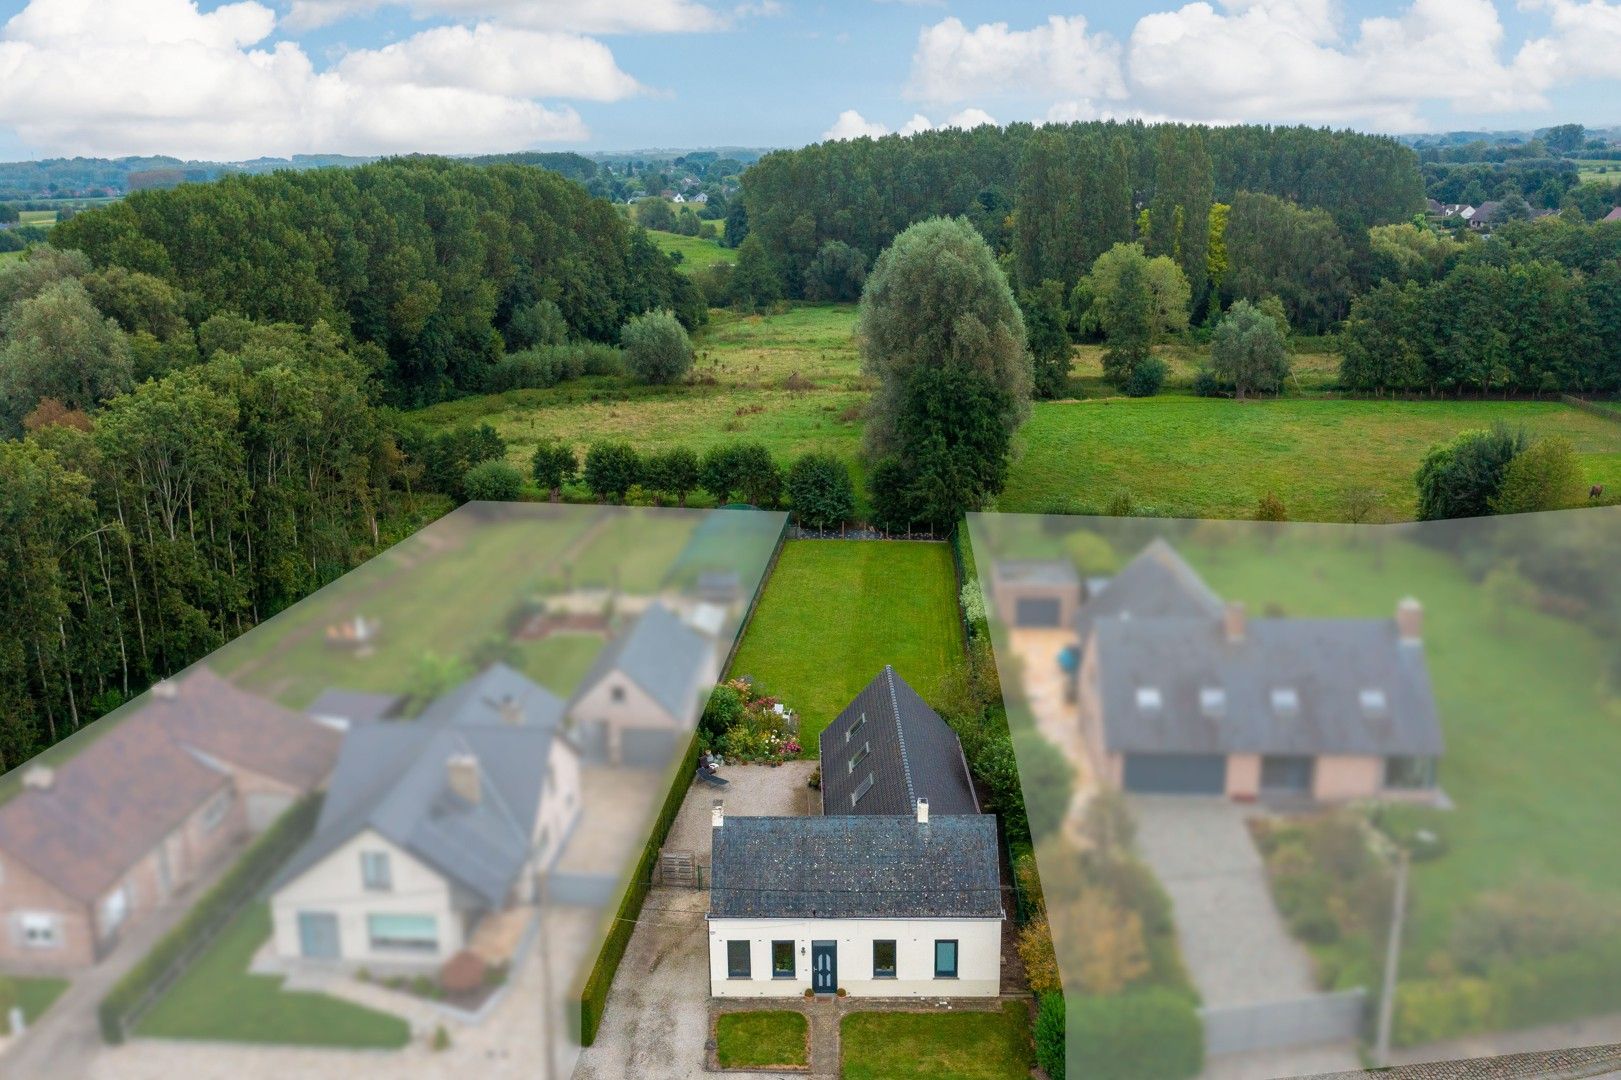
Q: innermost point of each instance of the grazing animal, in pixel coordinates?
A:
(1596, 491)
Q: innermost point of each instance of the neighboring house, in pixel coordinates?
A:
(1434, 208)
(881, 906)
(887, 750)
(89, 847)
(701, 198)
(430, 825)
(640, 701)
(1613, 215)
(1035, 592)
(1180, 693)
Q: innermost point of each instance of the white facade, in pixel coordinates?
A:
(978, 956)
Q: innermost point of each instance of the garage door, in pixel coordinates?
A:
(1036, 611)
(1177, 774)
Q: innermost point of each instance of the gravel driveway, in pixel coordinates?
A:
(1236, 946)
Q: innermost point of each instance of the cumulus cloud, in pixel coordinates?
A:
(577, 16)
(160, 76)
(852, 125)
(1058, 58)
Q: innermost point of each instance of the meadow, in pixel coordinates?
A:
(793, 381)
(1599, 171)
(697, 252)
(36, 217)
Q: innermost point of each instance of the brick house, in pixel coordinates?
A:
(136, 815)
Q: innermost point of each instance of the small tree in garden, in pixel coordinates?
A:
(493, 481)
(554, 465)
(656, 346)
(610, 469)
(758, 477)
(673, 472)
(820, 490)
(1248, 351)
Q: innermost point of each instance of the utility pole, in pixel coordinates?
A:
(1387, 995)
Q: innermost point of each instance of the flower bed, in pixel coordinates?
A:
(742, 724)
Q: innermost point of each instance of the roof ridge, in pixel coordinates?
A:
(900, 735)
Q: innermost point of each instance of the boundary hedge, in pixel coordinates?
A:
(123, 1006)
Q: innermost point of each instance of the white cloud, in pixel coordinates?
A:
(159, 76)
(852, 125)
(1057, 58)
(496, 60)
(1585, 40)
(577, 16)
(917, 123)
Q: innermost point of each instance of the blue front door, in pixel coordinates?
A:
(824, 966)
(318, 935)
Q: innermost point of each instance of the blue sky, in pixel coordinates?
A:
(254, 77)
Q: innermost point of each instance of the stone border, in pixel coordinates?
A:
(712, 1046)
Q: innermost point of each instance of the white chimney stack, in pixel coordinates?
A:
(461, 773)
(1409, 620)
(165, 690)
(717, 813)
(39, 777)
(923, 811)
(1232, 621)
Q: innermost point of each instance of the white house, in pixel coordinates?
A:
(430, 825)
(878, 905)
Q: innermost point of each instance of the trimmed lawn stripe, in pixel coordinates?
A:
(836, 611)
(763, 1040)
(959, 1045)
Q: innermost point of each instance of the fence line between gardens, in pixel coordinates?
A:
(754, 600)
(199, 928)
(858, 532)
(1301, 1021)
(1608, 410)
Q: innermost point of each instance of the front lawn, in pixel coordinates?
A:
(763, 1040)
(836, 611)
(34, 995)
(958, 1045)
(218, 1000)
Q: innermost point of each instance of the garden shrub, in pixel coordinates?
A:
(493, 481)
(547, 365)
(1145, 378)
(1049, 1035)
(1151, 1034)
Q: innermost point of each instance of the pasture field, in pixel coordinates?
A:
(697, 253)
(792, 380)
(36, 217)
(834, 612)
(1600, 171)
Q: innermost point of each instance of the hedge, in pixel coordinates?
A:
(119, 1009)
(594, 993)
(1149, 1034)
(1538, 990)
(1049, 1035)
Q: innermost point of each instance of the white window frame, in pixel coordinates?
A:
(39, 929)
(216, 810)
(1149, 699)
(374, 882)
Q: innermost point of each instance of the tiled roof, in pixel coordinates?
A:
(888, 749)
(855, 867)
(213, 717)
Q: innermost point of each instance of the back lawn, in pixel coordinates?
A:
(761, 1039)
(218, 1000)
(958, 1045)
(34, 995)
(836, 611)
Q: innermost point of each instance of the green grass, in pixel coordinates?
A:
(1601, 171)
(1214, 458)
(835, 612)
(763, 1040)
(36, 217)
(6, 256)
(1531, 732)
(558, 662)
(35, 995)
(697, 252)
(958, 1045)
(793, 381)
(218, 1000)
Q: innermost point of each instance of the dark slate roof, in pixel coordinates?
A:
(1055, 572)
(489, 696)
(1158, 582)
(355, 706)
(1327, 662)
(662, 655)
(904, 747)
(861, 867)
(391, 777)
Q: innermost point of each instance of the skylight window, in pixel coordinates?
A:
(855, 727)
(1213, 701)
(861, 789)
(1374, 702)
(861, 755)
(1285, 700)
(1148, 698)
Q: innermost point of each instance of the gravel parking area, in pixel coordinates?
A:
(751, 791)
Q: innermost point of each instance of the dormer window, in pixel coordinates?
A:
(1148, 699)
(1374, 703)
(1213, 701)
(1285, 700)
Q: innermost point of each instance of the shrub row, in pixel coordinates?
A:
(207, 918)
(548, 365)
(594, 992)
(1142, 1035)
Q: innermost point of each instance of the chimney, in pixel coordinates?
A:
(923, 811)
(165, 690)
(717, 813)
(39, 777)
(1232, 621)
(1409, 620)
(461, 773)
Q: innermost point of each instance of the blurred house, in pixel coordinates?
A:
(1182, 693)
(429, 827)
(90, 846)
(640, 701)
